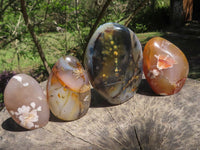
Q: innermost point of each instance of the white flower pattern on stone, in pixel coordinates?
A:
(27, 116)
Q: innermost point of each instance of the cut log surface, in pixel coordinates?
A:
(145, 122)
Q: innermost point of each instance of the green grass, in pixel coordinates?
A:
(144, 37)
(20, 56)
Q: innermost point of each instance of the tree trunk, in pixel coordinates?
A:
(35, 40)
(145, 122)
(176, 17)
(188, 9)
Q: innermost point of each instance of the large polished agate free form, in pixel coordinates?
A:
(68, 89)
(165, 66)
(113, 60)
(26, 103)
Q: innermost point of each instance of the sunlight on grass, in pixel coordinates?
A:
(144, 37)
(24, 55)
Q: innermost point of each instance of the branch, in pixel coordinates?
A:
(92, 30)
(17, 25)
(4, 44)
(35, 40)
(99, 18)
(45, 16)
(131, 16)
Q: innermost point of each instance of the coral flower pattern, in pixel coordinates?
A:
(164, 62)
(26, 102)
(28, 115)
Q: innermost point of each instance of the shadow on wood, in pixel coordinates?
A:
(97, 100)
(145, 89)
(10, 125)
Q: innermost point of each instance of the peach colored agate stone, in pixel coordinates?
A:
(26, 103)
(68, 89)
(165, 66)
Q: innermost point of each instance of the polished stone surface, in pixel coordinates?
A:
(165, 66)
(113, 60)
(68, 89)
(26, 103)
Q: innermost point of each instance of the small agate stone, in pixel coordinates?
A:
(25, 101)
(165, 66)
(68, 89)
(113, 61)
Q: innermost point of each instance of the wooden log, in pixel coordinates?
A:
(146, 121)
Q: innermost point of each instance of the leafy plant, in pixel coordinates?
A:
(151, 20)
(140, 28)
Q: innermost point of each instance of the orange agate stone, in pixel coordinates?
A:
(165, 66)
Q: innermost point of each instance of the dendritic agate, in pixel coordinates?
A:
(165, 66)
(68, 89)
(113, 61)
(25, 101)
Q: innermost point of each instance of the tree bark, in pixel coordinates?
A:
(145, 122)
(35, 40)
(176, 16)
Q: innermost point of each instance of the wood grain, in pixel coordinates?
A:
(145, 122)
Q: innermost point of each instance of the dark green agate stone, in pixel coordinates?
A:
(113, 60)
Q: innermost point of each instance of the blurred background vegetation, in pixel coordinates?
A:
(62, 27)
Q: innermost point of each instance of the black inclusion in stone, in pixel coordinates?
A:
(97, 56)
(122, 36)
(135, 45)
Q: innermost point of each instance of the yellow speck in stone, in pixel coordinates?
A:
(116, 60)
(105, 52)
(110, 49)
(104, 75)
(116, 69)
(115, 46)
(111, 42)
(115, 53)
(59, 95)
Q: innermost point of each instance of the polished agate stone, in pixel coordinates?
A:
(113, 60)
(68, 89)
(26, 103)
(165, 66)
